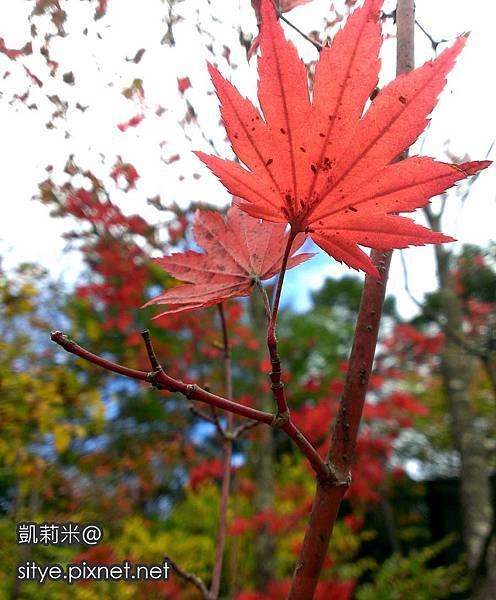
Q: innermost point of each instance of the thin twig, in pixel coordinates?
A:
(405, 282)
(243, 428)
(434, 43)
(226, 465)
(453, 335)
(162, 380)
(227, 351)
(200, 414)
(314, 43)
(150, 351)
(190, 578)
(222, 527)
(216, 422)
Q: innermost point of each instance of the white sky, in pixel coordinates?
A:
(465, 116)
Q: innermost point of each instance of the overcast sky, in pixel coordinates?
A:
(464, 119)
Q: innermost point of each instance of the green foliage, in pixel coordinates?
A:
(411, 576)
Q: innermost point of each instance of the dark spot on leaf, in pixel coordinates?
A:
(374, 93)
(353, 209)
(326, 164)
(322, 134)
(402, 99)
(302, 149)
(283, 131)
(269, 162)
(314, 168)
(288, 197)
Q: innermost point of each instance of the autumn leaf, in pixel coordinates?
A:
(183, 83)
(238, 252)
(316, 162)
(133, 122)
(14, 54)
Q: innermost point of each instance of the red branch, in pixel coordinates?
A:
(159, 379)
(277, 385)
(162, 381)
(328, 496)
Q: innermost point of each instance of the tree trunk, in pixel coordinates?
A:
(457, 367)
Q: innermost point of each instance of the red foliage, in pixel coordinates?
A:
(124, 171)
(133, 122)
(211, 469)
(183, 83)
(102, 9)
(238, 251)
(14, 54)
(318, 164)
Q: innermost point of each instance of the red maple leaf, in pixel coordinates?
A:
(133, 122)
(238, 252)
(183, 83)
(316, 162)
(14, 54)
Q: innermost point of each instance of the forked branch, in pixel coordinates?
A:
(161, 380)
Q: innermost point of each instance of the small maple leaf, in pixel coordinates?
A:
(183, 83)
(133, 122)
(316, 162)
(238, 252)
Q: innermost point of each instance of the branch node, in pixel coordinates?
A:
(337, 477)
(190, 390)
(61, 339)
(151, 377)
(280, 419)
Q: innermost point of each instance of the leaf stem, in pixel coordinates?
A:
(265, 298)
(275, 375)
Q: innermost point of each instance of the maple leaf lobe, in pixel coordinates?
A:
(319, 163)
